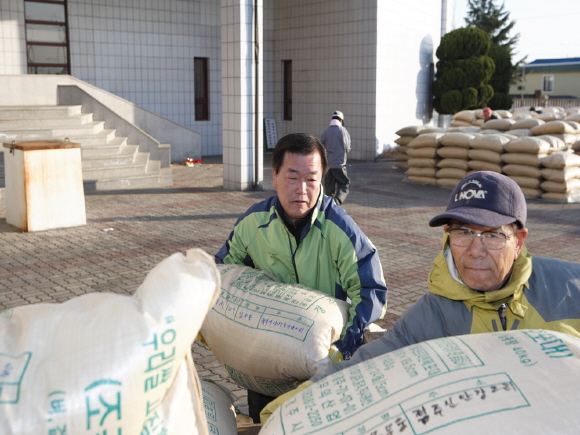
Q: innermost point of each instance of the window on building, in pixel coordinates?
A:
(47, 48)
(548, 83)
(201, 85)
(287, 91)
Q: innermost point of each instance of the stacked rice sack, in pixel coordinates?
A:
(485, 153)
(466, 118)
(522, 161)
(561, 177)
(406, 135)
(423, 158)
(453, 154)
(567, 131)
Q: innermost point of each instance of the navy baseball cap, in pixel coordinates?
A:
(486, 199)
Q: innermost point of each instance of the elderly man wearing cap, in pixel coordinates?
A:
(483, 280)
(336, 140)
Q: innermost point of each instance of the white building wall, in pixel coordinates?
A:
(12, 40)
(408, 34)
(332, 46)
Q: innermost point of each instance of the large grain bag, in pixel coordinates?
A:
(459, 123)
(492, 142)
(523, 159)
(456, 139)
(465, 115)
(426, 152)
(108, 363)
(404, 140)
(530, 145)
(425, 140)
(526, 123)
(485, 155)
(422, 162)
(453, 163)
(561, 175)
(269, 336)
(422, 180)
(455, 173)
(519, 132)
(421, 172)
(219, 409)
(447, 182)
(412, 130)
(498, 124)
(480, 165)
(532, 193)
(560, 160)
(553, 127)
(569, 197)
(526, 182)
(561, 187)
(522, 170)
(452, 152)
(514, 382)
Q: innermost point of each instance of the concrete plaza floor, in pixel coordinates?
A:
(129, 232)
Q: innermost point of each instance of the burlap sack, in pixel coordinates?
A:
(560, 160)
(522, 170)
(530, 145)
(526, 182)
(412, 130)
(523, 159)
(421, 172)
(219, 409)
(561, 175)
(449, 152)
(485, 155)
(456, 139)
(425, 140)
(553, 127)
(451, 173)
(425, 152)
(422, 163)
(514, 382)
(492, 142)
(453, 163)
(480, 165)
(108, 363)
(271, 336)
(498, 124)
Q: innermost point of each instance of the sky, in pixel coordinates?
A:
(548, 28)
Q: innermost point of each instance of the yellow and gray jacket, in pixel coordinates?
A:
(542, 293)
(332, 255)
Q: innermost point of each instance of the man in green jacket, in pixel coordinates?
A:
(483, 280)
(302, 237)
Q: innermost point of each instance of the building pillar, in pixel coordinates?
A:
(242, 93)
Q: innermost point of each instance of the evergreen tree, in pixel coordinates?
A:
(494, 20)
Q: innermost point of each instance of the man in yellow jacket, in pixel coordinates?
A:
(483, 280)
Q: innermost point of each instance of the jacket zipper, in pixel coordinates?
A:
(502, 315)
(293, 258)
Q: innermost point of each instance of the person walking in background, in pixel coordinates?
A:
(336, 140)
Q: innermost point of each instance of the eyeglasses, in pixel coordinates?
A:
(463, 237)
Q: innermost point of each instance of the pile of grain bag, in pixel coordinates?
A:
(454, 155)
(423, 158)
(107, 363)
(406, 135)
(561, 174)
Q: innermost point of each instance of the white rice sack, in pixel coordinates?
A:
(485, 155)
(422, 162)
(574, 117)
(107, 363)
(498, 124)
(556, 142)
(564, 140)
(270, 336)
(219, 409)
(522, 170)
(404, 140)
(453, 163)
(548, 116)
(449, 152)
(465, 115)
(553, 127)
(526, 182)
(513, 382)
(504, 113)
(426, 152)
(561, 175)
(459, 123)
(480, 165)
(412, 130)
(523, 159)
(569, 197)
(574, 124)
(558, 187)
(451, 173)
(456, 139)
(521, 132)
(527, 123)
(492, 142)
(530, 145)
(560, 160)
(425, 140)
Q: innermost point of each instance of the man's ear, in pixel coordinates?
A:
(520, 236)
(274, 178)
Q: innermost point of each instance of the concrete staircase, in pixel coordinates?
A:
(109, 162)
